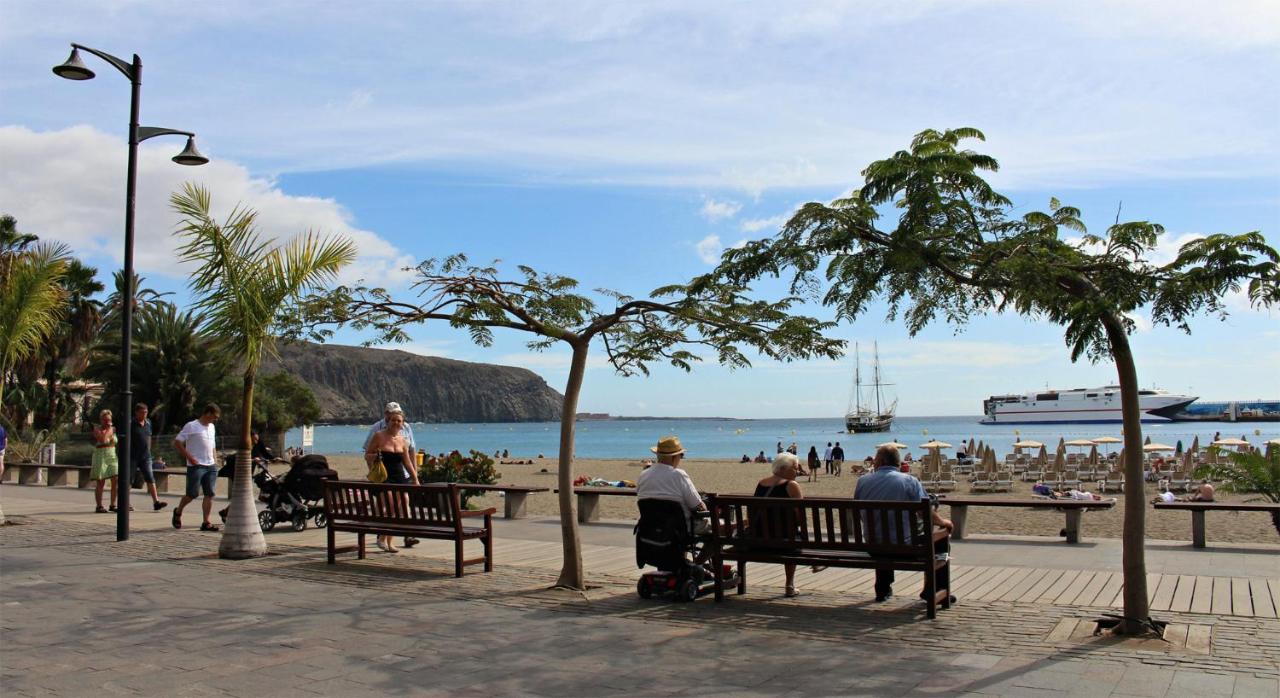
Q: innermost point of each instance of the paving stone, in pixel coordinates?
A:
(1201, 684)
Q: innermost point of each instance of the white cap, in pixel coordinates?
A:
(393, 407)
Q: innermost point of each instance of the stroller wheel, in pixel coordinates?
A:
(643, 589)
(300, 521)
(266, 520)
(321, 520)
(687, 591)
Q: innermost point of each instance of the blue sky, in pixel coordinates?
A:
(625, 144)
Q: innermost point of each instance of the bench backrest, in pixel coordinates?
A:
(436, 504)
(875, 527)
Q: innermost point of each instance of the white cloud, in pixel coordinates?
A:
(715, 211)
(772, 223)
(709, 248)
(1141, 323)
(69, 186)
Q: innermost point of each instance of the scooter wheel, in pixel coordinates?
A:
(687, 591)
(299, 521)
(266, 520)
(643, 589)
(321, 520)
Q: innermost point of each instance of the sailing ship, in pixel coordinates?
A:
(861, 417)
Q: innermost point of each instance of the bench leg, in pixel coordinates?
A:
(29, 474)
(513, 505)
(359, 546)
(57, 477)
(7, 475)
(742, 577)
(488, 545)
(332, 556)
(958, 515)
(1073, 525)
(457, 557)
(717, 563)
(162, 481)
(1197, 529)
(931, 594)
(82, 479)
(588, 508)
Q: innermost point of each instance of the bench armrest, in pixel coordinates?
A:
(940, 534)
(470, 513)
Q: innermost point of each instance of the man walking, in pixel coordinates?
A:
(197, 445)
(888, 483)
(837, 459)
(140, 453)
(826, 458)
(405, 431)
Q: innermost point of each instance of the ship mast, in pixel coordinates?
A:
(857, 380)
(875, 348)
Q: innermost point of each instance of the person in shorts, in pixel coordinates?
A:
(196, 444)
(140, 453)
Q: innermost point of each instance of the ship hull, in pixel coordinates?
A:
(868, 426)
(1155, 411)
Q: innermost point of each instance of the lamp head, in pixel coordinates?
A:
(73, 68)
(189, 154)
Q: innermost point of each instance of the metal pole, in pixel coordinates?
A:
(126, 312)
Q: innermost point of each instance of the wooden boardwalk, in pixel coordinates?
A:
(1237, 596)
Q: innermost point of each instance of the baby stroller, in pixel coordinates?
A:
(296, 497)
(666, 539)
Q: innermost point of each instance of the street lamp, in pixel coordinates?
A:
(75, 69)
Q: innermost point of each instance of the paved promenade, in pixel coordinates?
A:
(160, 615)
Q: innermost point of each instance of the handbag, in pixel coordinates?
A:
(377, 472)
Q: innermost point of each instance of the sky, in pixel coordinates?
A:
(627, 144)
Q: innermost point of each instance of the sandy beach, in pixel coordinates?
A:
(732, 477)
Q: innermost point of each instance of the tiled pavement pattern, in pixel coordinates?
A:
(161, 615)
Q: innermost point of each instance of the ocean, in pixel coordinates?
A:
(733, 438)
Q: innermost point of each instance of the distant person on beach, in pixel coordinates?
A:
(780, 449)
(826, 458)
(1217, 436)
(666, 480)
(745, 459)
(888, 483)
(1203, 493)
(197, 443)
(140, 453)
(793, 449)
(782, 483)
(837, 459)
(390, 447)
(813, 464)
(106, 465)
(760, 458)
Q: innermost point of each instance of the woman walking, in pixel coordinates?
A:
(786, 466)
(106, 465)
(813, 464)
(389, 449)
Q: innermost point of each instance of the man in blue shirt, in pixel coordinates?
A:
(888, 483)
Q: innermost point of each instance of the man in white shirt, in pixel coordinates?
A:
(665, 479)
(197, 444)
(406, 431)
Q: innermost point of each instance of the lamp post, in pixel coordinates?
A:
(74, 69)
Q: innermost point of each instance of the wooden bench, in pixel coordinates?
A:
(1072, 508)
(421, 511)
(1198, 510)
(514, 496)
(833, 532)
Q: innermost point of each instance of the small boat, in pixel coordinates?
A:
(861, 418)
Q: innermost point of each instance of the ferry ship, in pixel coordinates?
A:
(1079, 406)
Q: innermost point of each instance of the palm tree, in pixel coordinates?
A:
(64, 353)
(242, 285)
(1249, 473)
(32, 300)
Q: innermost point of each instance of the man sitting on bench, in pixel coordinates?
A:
(665, 479)
(888, 483)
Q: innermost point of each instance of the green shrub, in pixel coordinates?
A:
(1249, 473)
(476, 469)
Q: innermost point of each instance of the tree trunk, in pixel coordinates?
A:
(1136, 606)
(571, 573)
(242, 536)
(51, 393)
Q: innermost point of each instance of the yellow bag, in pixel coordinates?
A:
(377, 472)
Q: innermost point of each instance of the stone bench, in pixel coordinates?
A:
(1198, 510)
(58, 475)
(1072, 508)
(589, 500)
(514, 497)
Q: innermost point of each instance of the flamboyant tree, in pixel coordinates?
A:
(956, 249)
(671, 326)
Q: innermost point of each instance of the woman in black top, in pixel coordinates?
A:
(391, 449)
(813, 463)
(782, 483)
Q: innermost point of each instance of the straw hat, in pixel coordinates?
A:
(668, 446)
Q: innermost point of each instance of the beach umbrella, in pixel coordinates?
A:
(1082, 443)
(1059, 462)
(892, 444)
(1028, 444)
(1093, 455)
(1195, 444)
(1106, 441)
(1147, 441)
(1230, 442)
(1150, 447)
(1178, 447)
(1042, 458)
(970, 450)
(1061, 442)
(935, 445)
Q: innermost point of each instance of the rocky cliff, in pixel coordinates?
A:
(353, 383)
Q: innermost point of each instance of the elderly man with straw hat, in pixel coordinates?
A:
(665, 479)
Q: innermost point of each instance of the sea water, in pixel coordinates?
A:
(734, 438)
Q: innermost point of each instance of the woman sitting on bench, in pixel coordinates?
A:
(782, 483)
